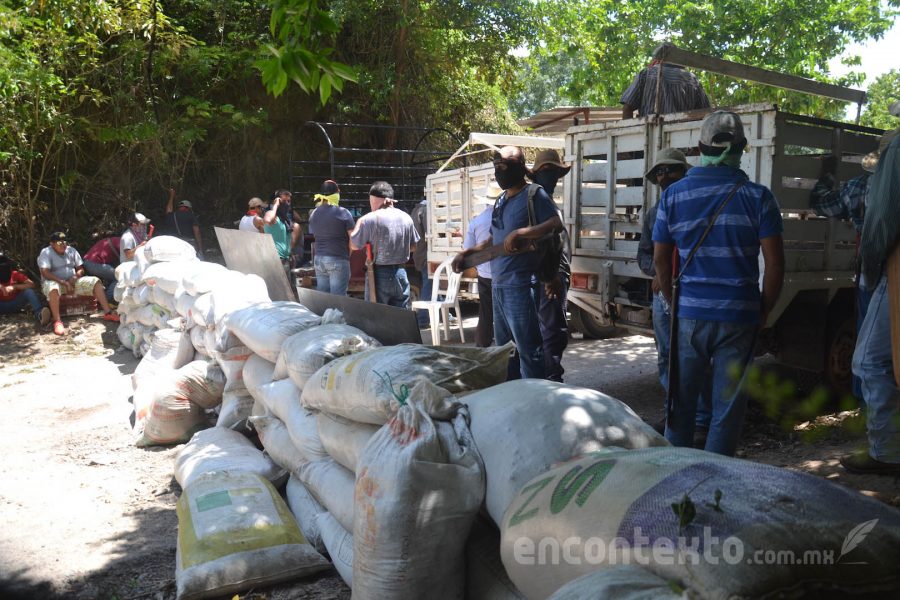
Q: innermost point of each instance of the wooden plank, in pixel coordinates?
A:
(595, 172)
(798, 166)
(594, 196)
(818, 229)
(791, 199)
(673, 54)
(808, 136)
(630, 196)
(597, 222)
(630, 169)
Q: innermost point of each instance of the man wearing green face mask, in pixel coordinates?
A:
(719, 221)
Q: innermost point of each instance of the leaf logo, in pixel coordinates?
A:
(856, 536)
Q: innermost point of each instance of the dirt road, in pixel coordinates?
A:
(88, 515)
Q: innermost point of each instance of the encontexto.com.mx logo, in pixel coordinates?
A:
(707, 549)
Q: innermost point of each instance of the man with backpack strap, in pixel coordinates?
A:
(514, 274)
(718, 220)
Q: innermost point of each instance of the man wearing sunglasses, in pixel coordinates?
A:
(62, 272)
(514, 281)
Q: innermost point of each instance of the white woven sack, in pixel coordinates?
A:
(242, 291)
(306, 509)
(486, 577)
(142, 294)
(264, 327)
(125, 335)
(277, 442)
(332, 485)
(343, 439)
(128, 273)
(119, 292)
(198, 338)
(202, 382)
(236, 408)
(436, 486)
(624, 582)
(305, 352)
(203, 277)
(171, 417)
(363, 387)
(201, 311)
(524, 427)
(282, 398)
(232, 363)
(339, 543)
(235, 533)
(166, 276)
(257, 372)
(615, 507)
(169, 350)
(184, 302)
(167, 248)
(220, 449)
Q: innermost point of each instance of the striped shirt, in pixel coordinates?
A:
(722, 281)
(680, 91)
(847, 203)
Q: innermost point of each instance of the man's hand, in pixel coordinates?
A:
(511, 243)
(456, 265)
(553, 289)
(8, 289)
(70, 286)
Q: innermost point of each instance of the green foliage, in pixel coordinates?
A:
(884, 91)
(611, 41)
(303, 32)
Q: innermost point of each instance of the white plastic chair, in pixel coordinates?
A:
(440, 309)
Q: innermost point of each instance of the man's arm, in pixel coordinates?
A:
(272, 213)
(199, 239)
(466, 251)
(662, 261)
(773, 277)
(511, 243)
(628, 111)
(170, 203)
(358, 243)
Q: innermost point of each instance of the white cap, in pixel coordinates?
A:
(140, 218)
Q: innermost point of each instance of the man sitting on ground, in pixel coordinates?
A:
(17, 290)
(62, 272)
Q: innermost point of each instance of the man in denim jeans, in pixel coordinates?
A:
(873, 357)
(393, 236)
(331, 225)
(514, 281)
(720, 308)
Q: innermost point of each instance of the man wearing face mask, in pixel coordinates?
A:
(134, 237)
(548, 169)
(514, 280)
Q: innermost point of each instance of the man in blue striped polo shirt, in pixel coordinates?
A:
(720, 309)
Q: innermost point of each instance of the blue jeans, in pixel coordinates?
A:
(554, 330)
(332, 274)
(24, 297)
(516, 319)
(661, 327)
(872, 363)
(424, 294)
(391, 286)
(106, 273)
(863, 296)
(705, 345)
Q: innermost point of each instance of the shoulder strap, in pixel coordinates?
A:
(709, 227)
(532, 190)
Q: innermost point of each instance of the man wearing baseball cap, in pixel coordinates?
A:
(134, 237)
(62, 272)
(183, 223)
(718, 220)
(253, 221)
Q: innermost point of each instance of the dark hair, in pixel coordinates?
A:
(280, 192)
(382, 189)
(329, 187)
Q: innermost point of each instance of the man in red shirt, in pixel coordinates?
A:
(17, 290)
(101, 261)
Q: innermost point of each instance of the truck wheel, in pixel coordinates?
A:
(589, 325)
(839, 345)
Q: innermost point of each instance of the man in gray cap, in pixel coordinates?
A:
(718, 220)
(182, 222)
(669, 167)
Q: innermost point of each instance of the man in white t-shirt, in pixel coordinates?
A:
(134, 237)
(253, 220)
(62, 272)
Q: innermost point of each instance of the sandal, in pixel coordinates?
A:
(59, 328)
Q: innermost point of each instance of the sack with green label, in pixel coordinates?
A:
(236, 533)
(708, 524)
(524, 427)
(360, 387)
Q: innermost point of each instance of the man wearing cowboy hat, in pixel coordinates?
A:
(548, 169)
(670, 166)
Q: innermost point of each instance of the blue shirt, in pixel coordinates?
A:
(478, 231)
(722, 281)
(508, 215)
(331, 225)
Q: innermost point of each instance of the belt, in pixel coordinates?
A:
(389, 266)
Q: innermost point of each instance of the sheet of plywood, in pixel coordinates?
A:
(255, 253)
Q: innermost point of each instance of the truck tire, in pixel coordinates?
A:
(589, 325)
